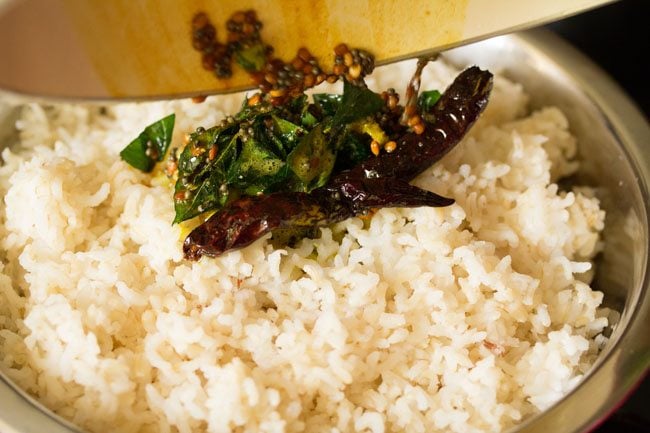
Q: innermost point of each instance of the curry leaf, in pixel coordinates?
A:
(313, 158)
(201, 184)
(264, 148)
(252, 58)
(356, 103)
(428, 99)
(287, 132)
(151, 145)
(308, 119)
(328, 102)
(206, 197)
(254, 166)
(353, 148)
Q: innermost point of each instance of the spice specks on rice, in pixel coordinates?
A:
(465, 318)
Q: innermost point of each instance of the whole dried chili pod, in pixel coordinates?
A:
(454, 113)
(249, 218)
(377, 182)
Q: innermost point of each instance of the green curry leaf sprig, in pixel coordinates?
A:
(266, 148)
(151, 145)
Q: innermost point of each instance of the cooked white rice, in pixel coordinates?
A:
(467, 318)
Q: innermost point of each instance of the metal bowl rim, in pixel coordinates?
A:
(631, 129)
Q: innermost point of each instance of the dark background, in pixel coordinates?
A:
(617, 38)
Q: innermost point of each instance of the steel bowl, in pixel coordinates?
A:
(614, 145)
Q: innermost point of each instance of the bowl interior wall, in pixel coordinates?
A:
(607, 165)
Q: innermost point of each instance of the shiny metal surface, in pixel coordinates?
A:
(614, 143)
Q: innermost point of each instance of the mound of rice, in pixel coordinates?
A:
(468, 318)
